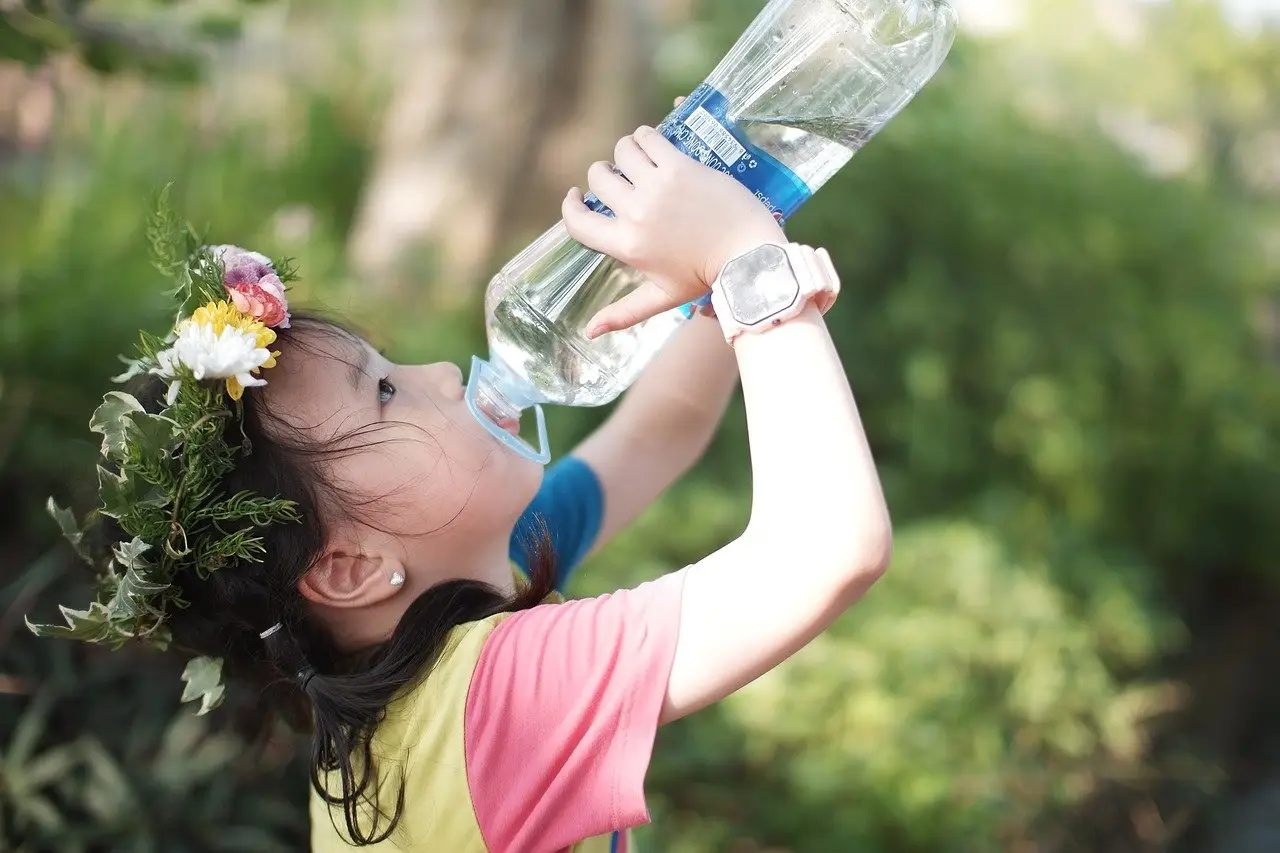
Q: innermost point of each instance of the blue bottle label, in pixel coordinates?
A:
(700, 127)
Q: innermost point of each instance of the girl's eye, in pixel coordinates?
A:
(385, 391)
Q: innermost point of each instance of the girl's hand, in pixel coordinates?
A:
(675, 219)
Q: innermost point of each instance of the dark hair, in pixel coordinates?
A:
(341, 696)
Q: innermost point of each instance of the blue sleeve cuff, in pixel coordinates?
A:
(571, 505)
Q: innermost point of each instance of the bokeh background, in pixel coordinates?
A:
(1060, 318)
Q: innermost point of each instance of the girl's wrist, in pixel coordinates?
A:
(743, 242)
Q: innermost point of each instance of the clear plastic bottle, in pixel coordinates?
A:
(807, 84)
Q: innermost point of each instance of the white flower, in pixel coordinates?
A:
(218, 342)
(166, 364)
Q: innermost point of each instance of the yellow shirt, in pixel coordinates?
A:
(421, 741)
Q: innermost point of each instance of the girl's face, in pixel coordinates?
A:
(411, 458)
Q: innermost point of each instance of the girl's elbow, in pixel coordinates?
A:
(877, 552)
(868, 554)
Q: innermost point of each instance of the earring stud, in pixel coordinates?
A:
(397, 579)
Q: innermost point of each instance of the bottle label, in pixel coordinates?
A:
(700, 127)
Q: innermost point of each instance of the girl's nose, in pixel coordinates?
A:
(447, 376)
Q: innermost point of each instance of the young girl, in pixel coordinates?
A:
(456, 706)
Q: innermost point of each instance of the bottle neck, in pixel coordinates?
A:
(496, 398)
(498, 390)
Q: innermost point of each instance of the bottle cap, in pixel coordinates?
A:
(490, 399)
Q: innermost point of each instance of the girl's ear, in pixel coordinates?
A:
(345, 579)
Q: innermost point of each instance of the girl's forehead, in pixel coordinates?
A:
(317, 389)
(326, 347)
(317, 362)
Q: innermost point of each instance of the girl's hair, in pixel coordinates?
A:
(341, 696)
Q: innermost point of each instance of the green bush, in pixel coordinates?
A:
(1054, 357)
(99, 756)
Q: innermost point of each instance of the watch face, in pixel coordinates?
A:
(759, 285)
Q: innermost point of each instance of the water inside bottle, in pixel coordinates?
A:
(791, 138)
(535, 329)
(546, 351)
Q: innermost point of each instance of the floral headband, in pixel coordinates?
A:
(160, 476)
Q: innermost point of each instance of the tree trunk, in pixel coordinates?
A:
(500, 110)
(28, 108)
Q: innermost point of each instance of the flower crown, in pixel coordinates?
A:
(161, 474)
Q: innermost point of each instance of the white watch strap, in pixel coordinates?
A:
(817, 279)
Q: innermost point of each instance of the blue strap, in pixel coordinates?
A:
(691, 308)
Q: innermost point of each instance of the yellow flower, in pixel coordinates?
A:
(220, 342)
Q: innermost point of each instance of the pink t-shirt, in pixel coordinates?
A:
(561, 716)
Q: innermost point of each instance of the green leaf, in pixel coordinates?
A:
(286, 269)
(164, 234)
(129, 554)
(51, 766)
(207, 278)
(171, 241)
(110, 421)
(203, 677)
(120, 493)
(66, 520)
(134, 368)
(90, 626)
(112, 791)
(28, 732)
(258, 510)
(18, 45)
(116, 491)
(41, 812)
(221, 27)
(152, 435)
(132, 599)
(159, 638)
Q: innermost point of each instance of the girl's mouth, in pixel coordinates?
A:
(511, 425)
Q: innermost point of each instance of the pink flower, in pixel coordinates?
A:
(253, 286)
(263, 300)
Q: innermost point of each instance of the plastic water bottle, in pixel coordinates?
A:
(806, 86)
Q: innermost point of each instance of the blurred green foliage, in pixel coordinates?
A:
(34, 32)
(1060, 365)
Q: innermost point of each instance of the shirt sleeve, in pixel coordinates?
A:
(570, 504)
(562, 713)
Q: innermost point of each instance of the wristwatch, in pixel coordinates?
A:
(770, 285)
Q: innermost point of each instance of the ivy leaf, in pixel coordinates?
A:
(129, 554)
(119, 493)
(90, 626)
(116, 491)
(203, 677)
(151, 435)
(159, 637)
(136, 587)
(110, 421)
(66, 520)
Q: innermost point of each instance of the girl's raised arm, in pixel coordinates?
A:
(819, 532)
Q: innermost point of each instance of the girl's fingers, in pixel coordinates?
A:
(647, 300)
(593, 230)
(660, 151)
(609, 184)
(631, 158)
